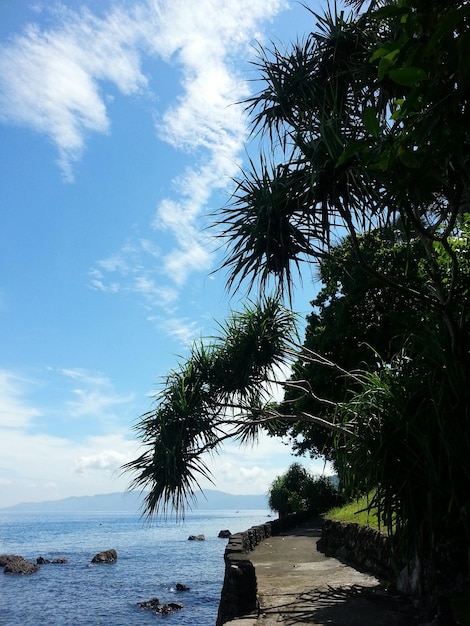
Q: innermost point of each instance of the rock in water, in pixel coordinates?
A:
(105, 556)
(42, 561)
(13, 564)
(156, 606)
(196, 538)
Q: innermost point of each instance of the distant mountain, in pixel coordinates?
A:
(130, 501)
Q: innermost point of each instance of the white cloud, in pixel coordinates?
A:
(109, 460)
(85, 376)
(94, 396)
(50, 78)
(44, 467)
(204, 120)
(183, 330)
(14, 410)
(98, 283)
(134, 270)
(38, 464)
(57, 80)
(252, 469)
(94, 402)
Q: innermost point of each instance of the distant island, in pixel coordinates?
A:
(130, 501)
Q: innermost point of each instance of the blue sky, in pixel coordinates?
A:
(119, 135)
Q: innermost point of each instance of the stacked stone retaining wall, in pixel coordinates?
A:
(239, 591)
(362, 546)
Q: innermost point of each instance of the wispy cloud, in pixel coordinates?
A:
(134, 270)
(251, 469)
(185, 331)
(58, 81)
(50, 78)
(15, 412)
(44, 466)
(93, 395)
(205, 120)
(37, 462)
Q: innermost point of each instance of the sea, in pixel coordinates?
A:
(152, 559)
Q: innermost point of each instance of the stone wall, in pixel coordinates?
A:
(431, 582)
(360, 545)
(239, 591)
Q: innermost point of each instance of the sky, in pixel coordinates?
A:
(120, 135)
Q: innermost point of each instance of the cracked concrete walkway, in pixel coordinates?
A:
(297, 584)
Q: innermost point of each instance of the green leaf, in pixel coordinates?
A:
(448, 24)
(379, 53)
(384, 160)
(407, 76)
(371, 122)
(386, 62)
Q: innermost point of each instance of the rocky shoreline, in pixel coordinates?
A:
(16, 564)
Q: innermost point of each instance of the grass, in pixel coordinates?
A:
(357, 512)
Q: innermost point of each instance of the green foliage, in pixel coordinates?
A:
(411, 447)
(217, 393)
(297, 490)
(356, 323)
(368, 123)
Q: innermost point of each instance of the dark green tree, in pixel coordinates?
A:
(368, 122)
(298, 490)
(357, 324)
(287, 492)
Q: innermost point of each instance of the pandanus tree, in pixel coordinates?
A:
(366, 124)
(368, 121)
(222, 390)
(216, 393)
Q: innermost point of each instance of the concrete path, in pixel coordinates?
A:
(297, 584)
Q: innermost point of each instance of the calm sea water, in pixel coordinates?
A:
(151, 561)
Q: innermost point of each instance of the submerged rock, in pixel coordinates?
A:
(156, 606)
(105, 556)
(42, 561)
(196, 538)
(181, 587)
(14, 564)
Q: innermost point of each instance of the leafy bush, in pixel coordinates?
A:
(297, 490)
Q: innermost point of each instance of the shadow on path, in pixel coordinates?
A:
(345, 606)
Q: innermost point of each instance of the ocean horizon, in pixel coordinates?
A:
(152, 560)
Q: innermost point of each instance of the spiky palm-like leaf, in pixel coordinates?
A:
(267, 227)
(252, 343)
(312, 106)
(207, 399)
